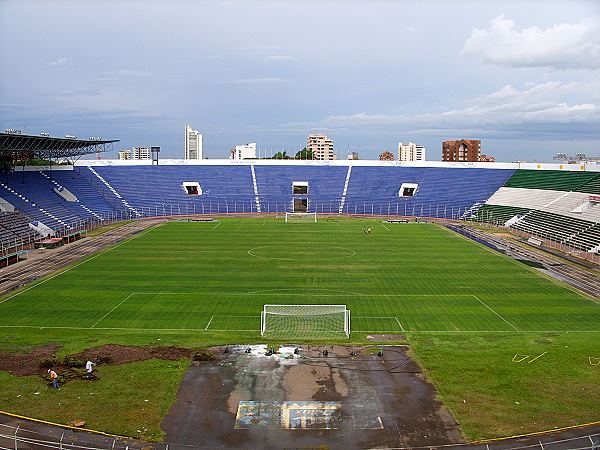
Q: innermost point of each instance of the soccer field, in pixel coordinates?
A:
(214, 278)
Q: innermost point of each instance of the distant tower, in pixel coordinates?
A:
(321, 146)
(193, 143)
(410, 152)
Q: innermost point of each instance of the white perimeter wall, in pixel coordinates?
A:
(342, 162)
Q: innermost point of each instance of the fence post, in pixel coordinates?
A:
(16, 445)
(61, 441)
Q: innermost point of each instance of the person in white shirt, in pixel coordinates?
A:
(89, 367)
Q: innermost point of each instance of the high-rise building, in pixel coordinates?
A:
(135, 153)
(410, 152)
(320, 146)
(245, 151)
(464, 150)
(193, 143)
(386, 156)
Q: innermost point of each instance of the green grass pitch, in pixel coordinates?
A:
(216, 277)
(465, 310)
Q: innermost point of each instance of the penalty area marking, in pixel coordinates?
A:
(216, 225)
(492, 310)
(594, 361)
(209, 322)
(383, 225)
(108, 313)
(399, 324)
(135, 236)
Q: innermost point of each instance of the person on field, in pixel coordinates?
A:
(89, 367)
(369, 230)
(365, 230)
(53, 378)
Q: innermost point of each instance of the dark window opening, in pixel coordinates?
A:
(300, 189)
(191, 190)
(408, 191)
(300, 204)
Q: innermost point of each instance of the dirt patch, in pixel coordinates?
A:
(22, 364)
(72, 367)
(386, 337)
(123, 354)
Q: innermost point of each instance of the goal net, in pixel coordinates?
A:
(300, 217)
(305, 321)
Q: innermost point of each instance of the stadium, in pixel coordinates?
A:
(310, 304)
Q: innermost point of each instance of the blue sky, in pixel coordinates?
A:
(523, 76)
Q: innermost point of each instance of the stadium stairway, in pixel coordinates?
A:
(90, 199)
(325, 186)
(34, 195)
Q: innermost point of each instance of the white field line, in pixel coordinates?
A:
(538, 356)
(79, 264)
(238, 317)
(492, 310)
(374, 317)
(401, 327)
(341, 293)
(354, 331)
(209, 322)
(108, 313)
(216, 225)
(383, 225)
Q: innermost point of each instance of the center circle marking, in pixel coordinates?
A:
(305, 254)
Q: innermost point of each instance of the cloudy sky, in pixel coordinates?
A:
(523, 76)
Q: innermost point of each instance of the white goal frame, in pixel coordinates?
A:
(307, 310)
(300, 214)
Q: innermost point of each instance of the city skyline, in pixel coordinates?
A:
(522, 77)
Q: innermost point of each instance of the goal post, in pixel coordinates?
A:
(305, 321)
(300, 217)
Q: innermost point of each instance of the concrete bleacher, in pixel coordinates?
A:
(14, 229)
(525, 198)
(553, 204)
(555, 180)
(498, 214)
(224, 188)
(438, 188)
(89, 198)
(325, 186)
(158, 190)
(33, 194)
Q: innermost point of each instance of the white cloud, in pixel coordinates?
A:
(562, 46)
(263, 80)
(58, 62)
(547, 108)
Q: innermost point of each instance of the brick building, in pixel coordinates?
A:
(386, 156)
(462, 150)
